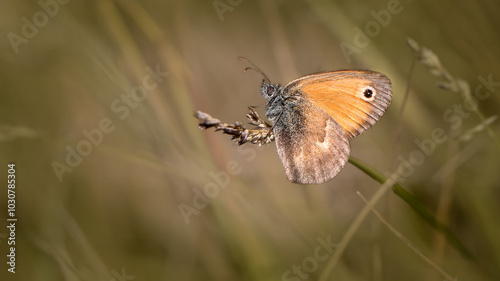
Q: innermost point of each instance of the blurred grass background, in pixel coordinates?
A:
(119, 208)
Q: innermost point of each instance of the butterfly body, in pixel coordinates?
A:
(314, 117)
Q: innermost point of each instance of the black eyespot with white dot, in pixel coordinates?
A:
(368, 94)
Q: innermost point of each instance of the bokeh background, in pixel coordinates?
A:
(115, 215)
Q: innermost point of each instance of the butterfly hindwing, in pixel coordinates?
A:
(311, 145)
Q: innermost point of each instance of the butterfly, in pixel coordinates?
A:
(314, 117)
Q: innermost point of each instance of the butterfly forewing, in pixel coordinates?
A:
(356, 99)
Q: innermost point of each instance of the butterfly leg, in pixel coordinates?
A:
(255, 119)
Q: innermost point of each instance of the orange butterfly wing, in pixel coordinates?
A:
(355, 99)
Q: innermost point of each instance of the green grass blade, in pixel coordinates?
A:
(416, 205)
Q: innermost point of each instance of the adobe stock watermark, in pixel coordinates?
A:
(121, 277)
(222, 6)
(362, 37)
(311, 263)
(219, 181)
(454, 116)
(30, 27)
(121, 107)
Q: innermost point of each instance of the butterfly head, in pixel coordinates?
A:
(269, 90)
(273, 94)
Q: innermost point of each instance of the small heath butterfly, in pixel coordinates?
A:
(313, 118)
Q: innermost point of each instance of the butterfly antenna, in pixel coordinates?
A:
(255, 68)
